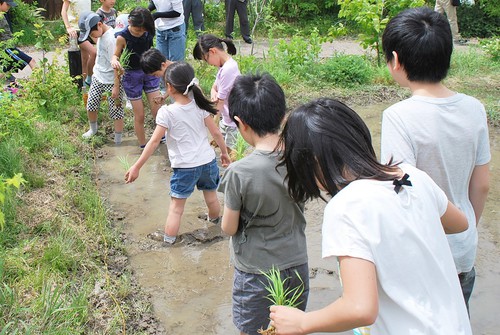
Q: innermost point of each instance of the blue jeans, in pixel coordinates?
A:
(204, 177)
(467, 280)
(172, 42)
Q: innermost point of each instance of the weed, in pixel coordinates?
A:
(240, 148)
(124, 162)
(279, 294)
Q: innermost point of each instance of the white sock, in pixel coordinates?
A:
(92, 131)
(169, 239)
(118, 137)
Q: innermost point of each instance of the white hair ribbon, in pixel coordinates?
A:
(194, 81)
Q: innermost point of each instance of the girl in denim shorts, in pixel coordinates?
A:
(185, 123)
(136, 39)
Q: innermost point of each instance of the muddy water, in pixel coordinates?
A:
(190, 284)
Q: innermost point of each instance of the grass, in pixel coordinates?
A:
(58, 240)
(279, 293)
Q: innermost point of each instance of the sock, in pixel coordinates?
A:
(88, 80)
(118, 137)
(93, 126)
(169, 239)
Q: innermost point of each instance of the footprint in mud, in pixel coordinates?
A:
(199, 236)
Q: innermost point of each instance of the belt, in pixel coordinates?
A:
(174, 29)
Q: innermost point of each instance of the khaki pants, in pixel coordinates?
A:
(445, 6)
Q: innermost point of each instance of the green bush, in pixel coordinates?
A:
(345, 71)
(474, 21)
(492, 48)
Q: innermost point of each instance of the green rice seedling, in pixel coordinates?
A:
(125, 59)
(124, 162)
(240, 148)
(279, 294)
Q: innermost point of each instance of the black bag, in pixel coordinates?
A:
(455, 3)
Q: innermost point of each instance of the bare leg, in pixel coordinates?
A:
(212, 203)
(153, 105)
(175, 212)
(138, 108)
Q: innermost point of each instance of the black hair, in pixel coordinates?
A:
(326, 142)
(179, 75)
(151, 60)
(259, 101)
(207, 41)
(141, 17)
(423, 41)
(94, 27)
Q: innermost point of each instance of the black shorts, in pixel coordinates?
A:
(17, 60)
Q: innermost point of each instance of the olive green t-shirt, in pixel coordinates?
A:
(272, 226)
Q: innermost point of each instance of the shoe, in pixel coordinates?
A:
(88, 134)
(163, 140)
(14, 84)
(461, 41)
(156, 236)
(230, 37)
(248, 40)
(142, 146)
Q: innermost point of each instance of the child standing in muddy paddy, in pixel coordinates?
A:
(193, 160)
(211, 49)
(91, 25)
(385, 225)
(136, 39)
(437, 130)
(266, 226)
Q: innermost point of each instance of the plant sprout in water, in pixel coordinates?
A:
(124, 162)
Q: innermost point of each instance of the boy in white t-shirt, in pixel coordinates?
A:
(103, 79)
(441, 132)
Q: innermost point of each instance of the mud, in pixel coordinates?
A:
(190, 283)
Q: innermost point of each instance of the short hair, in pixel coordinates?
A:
(151, 60)
(259, 101)
(423, 41)
(327, 142)
(207, 41)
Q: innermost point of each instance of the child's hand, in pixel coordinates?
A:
(159, 100)
(225, 160)
(286, 320)
(131, 175)
(72, 32)
(116, 64)
(115, 92)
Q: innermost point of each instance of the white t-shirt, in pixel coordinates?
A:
(187, 138)
(168, 6)
(402, 235)
(76, 7)
(446, 138)
(224, 81)
(103, 71)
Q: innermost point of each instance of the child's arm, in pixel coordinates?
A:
(357, 307)
(120, 45)
(454, 220)
(133, 173)
(64, 14)
(230, 221)
(479, 187)
(219, 139)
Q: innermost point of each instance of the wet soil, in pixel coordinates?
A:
(189, 284)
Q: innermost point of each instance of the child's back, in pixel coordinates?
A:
(266, 225)
(439, 131)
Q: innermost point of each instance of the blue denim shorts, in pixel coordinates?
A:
(250, 305)
(205, 177)
(135, 81)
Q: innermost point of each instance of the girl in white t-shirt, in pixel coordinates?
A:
(185, 123)
(385, 224)
(211, 49)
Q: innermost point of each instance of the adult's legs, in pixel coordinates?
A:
(241, 8)
(230, 9)
(177, 44)
(175, 212)
(445, 6)
(197, 13)
(188, 5)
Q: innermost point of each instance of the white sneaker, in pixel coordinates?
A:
(88, 134)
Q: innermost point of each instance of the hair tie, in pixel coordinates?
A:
(194, 81)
